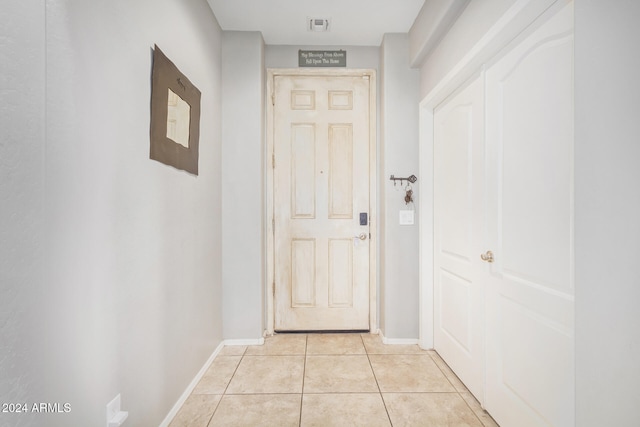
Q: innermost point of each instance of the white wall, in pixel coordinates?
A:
(430, 26)
(399, 156)
(123, 291)
(607, 182)
(243, 213)
(474, 21)
(22, 212)
(607, 206)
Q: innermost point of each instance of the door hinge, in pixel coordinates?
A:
(273, 224)
(273, 99)
(273, 161)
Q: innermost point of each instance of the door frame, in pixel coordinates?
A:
(269, 289)
(518, 21)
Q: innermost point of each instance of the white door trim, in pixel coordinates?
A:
(506, 30)
(269, 179)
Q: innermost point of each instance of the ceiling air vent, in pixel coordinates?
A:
(318, 24)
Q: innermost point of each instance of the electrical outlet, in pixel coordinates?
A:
(115, 417)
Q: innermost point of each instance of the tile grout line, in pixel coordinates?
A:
(454, 387)
(434, 357)
(224, 392)
(304, 371)
(443, 372)
(471, 409)
(377, 383)
(234, 372)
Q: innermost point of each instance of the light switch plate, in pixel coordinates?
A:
(407, 217)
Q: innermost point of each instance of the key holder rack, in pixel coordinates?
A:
(410, 179)
(408, 198)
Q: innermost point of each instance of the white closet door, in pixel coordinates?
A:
(459, 216)
(530, 291)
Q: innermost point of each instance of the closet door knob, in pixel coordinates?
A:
(488, 256)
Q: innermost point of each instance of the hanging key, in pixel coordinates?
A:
(408, 198)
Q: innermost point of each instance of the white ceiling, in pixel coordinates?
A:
(353, 22)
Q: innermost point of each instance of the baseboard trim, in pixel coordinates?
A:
(397, 341)
(248, 341)
(185, 395)
(192, 385)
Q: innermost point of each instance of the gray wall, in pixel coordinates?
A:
(397, 152)
(23, 278)
(286, 56)
(368, 57)
(243, 148)
(607, 203)
(111, 272)
(399, 156)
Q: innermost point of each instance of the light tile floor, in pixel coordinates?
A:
(330, 380)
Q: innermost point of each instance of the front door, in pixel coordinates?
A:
(321, 201)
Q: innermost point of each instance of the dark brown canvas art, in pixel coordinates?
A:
(169, 83)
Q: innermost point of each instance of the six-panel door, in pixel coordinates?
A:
(321, 185)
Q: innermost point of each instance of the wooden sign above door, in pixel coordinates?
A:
(322, 58)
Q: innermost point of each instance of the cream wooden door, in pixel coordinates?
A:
(530, 288)
(459, 224)
(321, 186)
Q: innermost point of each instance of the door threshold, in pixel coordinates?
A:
(329, 331)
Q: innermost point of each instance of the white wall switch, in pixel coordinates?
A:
(407, 217)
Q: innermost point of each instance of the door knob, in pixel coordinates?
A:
(362, 236)
(488, 256)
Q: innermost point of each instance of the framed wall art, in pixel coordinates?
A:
(175, 116)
